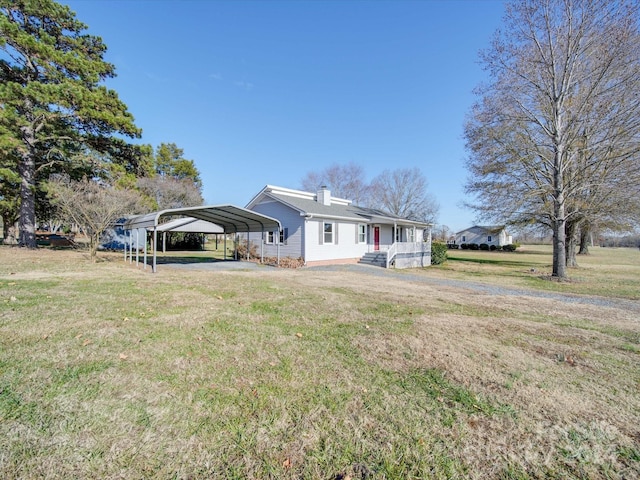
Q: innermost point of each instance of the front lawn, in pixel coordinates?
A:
(110, 371)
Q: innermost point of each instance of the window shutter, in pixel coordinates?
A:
(335, 233)
(357, 233)
(286, 235)
(321, 229)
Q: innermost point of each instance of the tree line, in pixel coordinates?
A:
(67, 151)
(63, 132)
(553, 138)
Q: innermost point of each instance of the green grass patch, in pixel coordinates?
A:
(531, 266)
(108, 371)
(448, 396)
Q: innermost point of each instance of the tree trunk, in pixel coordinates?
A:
(559, 252)
(585, 235)
(27, 220)
(559, 221)
(571, 228)
(571, 245)
(94, 241)
(5, 228)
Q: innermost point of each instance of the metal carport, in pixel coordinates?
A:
(230, 218)
(188, 225)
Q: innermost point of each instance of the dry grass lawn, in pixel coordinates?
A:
(109, 371)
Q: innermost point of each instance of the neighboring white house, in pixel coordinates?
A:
(116, 238)
(322, 229)
(491, 235)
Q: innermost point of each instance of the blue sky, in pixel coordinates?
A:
(263, 92)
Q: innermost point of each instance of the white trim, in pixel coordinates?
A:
(293, 193)
(361, 235)
(324, 233)
(270, 238)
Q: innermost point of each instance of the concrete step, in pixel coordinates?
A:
(378, 259)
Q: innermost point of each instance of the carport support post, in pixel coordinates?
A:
(225, 244)
(155, 239)
(145, 249)
(137, 246)
(248, 243)
(131, 247)
(262, 247)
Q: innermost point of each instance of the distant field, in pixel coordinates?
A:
(109, 371)
(605, 271)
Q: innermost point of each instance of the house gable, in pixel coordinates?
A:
(291, 239)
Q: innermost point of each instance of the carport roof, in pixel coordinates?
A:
(231, 218)
(190, 225)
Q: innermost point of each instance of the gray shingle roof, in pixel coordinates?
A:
(485, 228)
(312, 207)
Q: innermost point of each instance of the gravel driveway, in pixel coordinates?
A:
(623, 304)
(406, 275)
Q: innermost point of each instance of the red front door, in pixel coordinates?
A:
(376, 238)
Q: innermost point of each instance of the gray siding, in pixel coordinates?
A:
(289, 219)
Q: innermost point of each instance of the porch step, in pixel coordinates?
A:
(378, 259)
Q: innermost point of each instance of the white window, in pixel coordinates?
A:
(269, 237)
(411, 235)
(464, 238)
(489, 238)
(362, 233)
(328, 232)
(284, 235)
(398, 234)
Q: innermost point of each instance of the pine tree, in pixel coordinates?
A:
(52, 103)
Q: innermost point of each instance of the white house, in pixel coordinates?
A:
(491, 235)
(322, 229)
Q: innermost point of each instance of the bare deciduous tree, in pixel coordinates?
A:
(403, 192)
(91, 205)
(553, 139)
(169, 192)
(442, 233)
(344, 181)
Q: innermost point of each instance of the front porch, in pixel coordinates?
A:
(398, 255)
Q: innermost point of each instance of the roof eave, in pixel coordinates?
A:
(334, 217)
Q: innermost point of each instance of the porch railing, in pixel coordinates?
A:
(381, 248)
(391, 253)
(396, 248)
